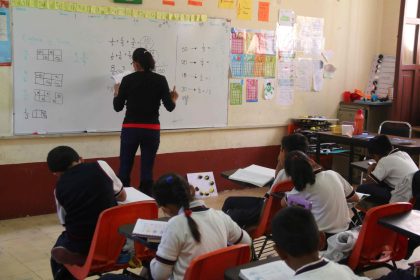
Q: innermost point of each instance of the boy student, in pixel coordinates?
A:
(297, 242)
(245, 211)
(82, 192)
(390, 178)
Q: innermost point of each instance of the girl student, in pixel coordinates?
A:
(326, 190)
(193, 229)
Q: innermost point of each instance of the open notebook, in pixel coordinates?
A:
(277, 270)
(254, 174)
(150, 229)
(134, 195)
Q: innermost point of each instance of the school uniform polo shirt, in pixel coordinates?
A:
(178, 247)
(328, 197)
(396, 170)
(326, 270)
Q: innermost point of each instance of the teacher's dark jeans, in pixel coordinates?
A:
(131, 139)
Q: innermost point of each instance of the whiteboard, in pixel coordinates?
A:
(63, 62)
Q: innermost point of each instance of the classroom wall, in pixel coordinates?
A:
(354, 29)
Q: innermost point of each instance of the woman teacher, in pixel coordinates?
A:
(141, 93)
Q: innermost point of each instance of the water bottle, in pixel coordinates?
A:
(359, 121)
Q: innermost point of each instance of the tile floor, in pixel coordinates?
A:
(25, 243)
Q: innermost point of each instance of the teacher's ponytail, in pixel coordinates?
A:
(144, 58)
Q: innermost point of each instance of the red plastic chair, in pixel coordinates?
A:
(271, 206)
(212, 266)
(107, 242)
(376, 244)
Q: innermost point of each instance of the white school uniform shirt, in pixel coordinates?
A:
(177, 247)
(396, 170)
(116, 185)
(328, 197)
(326, 270)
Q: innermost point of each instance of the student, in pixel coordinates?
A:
(82, 192)
(327, 191)
(246, 210)
(297, 242)
(390, 178)
(141, 93)
(192, 231)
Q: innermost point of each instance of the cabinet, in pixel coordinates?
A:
(375, 113)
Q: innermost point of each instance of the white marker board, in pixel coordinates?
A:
(63, 61)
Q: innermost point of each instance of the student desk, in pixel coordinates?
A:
(233, 273)
(407, 224)
(127, 231)
(362, 141)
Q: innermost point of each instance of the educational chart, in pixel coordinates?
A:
(203, 183)
(62, 73)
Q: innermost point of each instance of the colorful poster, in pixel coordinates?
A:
(263, 11)
(168, 2)
(5, 45)
(226, 4)
(286, 17)
(237, 40)
(237, 65)
(249, 62)
(251, 90)
(260, 42)
(268, 89)
(259, 65)
(203, 183)
(235, 91)
(244, 9)
(195, 2)
(270, 66)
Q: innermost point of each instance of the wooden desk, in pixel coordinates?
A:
(362, 141)
(407, 224)
(233, 273)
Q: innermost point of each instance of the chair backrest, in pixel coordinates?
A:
(376, 243)
(212, 265)
(396, 128)
(107, 242)
(416, 190)
(271, 206)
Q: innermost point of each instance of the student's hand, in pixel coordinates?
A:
(174, 95)
(116, 89)
(371, 167)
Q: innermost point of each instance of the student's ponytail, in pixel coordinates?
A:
(297, 165)
(173, 189)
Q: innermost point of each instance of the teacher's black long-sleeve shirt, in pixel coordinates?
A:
(141, 93)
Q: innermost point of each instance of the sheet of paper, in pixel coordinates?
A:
(168, 2)
(270, 66)
(119, 76)
(237, 65)
(4, 33)
(235, 91)
(244, 9)
(226, 4)
(261, 170)
(203, 183)
(237, 41)
(263, 11)
(277, 270)
(251, 90)
(318, 77)
(149, 228)
(286, 17)
(250, 177)
(269, 88)
(303, 75)
(5, 43)
(285, 38)
(195, 2)
(134, 195)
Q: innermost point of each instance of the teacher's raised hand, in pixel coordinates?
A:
(174, 95)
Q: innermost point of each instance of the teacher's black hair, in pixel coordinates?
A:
(144, 58)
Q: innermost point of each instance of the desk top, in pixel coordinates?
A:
(233, 273)
(407, 224)
(127, 231)
(410, 145)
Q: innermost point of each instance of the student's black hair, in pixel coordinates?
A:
(61, 158)
(295, 142)
(379, 145)
(173, 189)
(298, 166)
(144, 58)
(295, 231)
